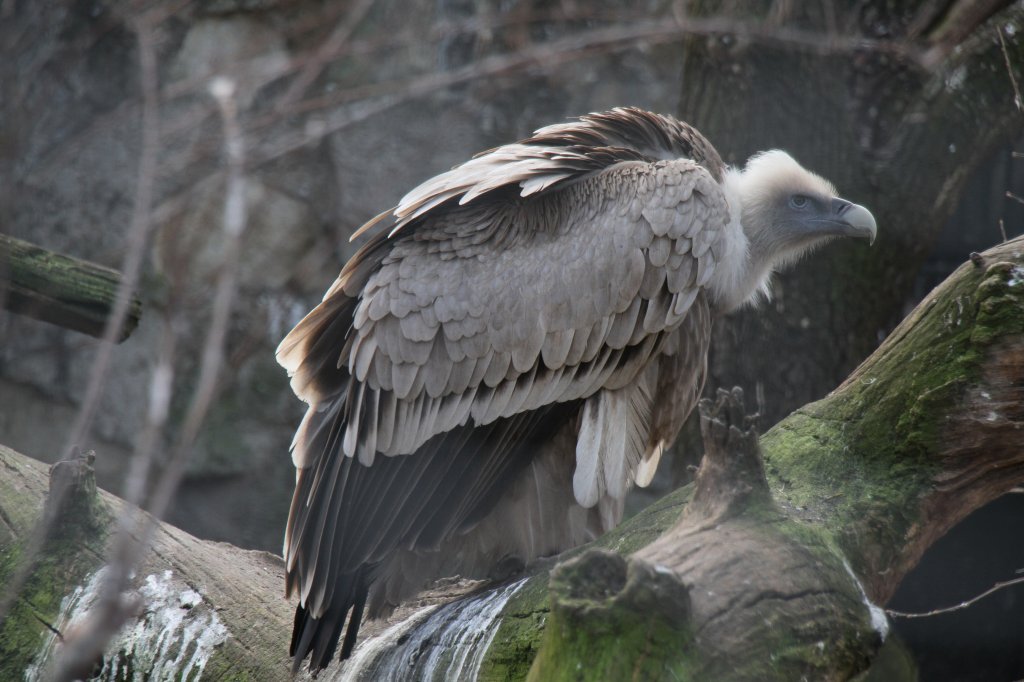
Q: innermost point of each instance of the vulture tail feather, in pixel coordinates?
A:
(318, 638)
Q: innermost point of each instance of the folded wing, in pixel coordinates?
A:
(529, 288)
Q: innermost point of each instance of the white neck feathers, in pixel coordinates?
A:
(734, 284)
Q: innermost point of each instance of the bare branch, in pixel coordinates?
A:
(113, 610)
(616, 38)
(962, 605)
(1009, 71)
(315, 64)
(235, 218)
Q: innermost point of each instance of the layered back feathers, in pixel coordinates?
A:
(561, 153)
(555, 283)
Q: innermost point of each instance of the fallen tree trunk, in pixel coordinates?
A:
(753, 572)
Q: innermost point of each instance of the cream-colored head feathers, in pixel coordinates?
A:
(756, 195)
(769, 174)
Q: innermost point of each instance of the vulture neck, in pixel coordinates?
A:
(741, 277)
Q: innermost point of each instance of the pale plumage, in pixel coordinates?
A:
(514, 349)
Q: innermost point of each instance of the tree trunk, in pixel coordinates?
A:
(768, 573)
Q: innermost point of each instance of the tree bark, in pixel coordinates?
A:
(768, 573)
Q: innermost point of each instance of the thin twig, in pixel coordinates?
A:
(112, 611)
(1002, 230)
(962, 605)
(611, 39)
(235, 219)
(1009, 71)
(127, 549)
(325, 53)
(1011, 195)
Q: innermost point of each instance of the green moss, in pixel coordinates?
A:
(626, 646)
(872, 442)
(645, 527)
(523, 619)
(71, 554)
(615, 620)
(518, 636)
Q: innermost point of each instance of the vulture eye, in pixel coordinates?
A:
(799, 201)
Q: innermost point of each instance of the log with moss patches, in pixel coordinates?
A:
(754, 572)
(62, 290)
(920, 435)
(207, 607)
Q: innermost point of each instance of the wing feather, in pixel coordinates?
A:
(657, 309)
(680, 278)
(362, 356)
(586, 484)
(623, 325)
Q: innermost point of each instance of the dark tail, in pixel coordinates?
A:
(317, 638)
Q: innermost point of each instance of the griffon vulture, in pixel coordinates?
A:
(515, 348)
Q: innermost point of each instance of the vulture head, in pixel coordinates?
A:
(514, 347)
(785, 210)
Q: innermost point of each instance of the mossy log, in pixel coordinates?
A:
(208, 610)
(757, 571)
(69, 292)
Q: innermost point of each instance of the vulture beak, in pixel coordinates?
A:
(851, 220)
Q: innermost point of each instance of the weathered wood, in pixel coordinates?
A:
(69, 292)
(736, 590)
(192, 589)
